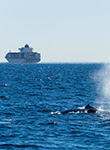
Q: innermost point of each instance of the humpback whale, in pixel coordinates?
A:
(87, 109)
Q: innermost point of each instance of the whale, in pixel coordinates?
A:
(87, 109)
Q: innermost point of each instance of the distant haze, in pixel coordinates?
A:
(61, 30)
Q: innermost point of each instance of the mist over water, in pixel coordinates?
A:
(102, 78)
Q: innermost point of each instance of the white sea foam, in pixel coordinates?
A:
(83, 107)
(56, 112)
(9, 120)
(100, 109)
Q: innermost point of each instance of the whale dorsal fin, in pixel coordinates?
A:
(87, 106)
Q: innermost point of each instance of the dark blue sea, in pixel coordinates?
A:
(32, 97)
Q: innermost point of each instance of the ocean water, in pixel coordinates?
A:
(32, 97)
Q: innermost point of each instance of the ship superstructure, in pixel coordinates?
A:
(26, 55)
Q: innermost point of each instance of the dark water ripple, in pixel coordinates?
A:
(29, 93)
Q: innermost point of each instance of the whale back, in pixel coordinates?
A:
(88, 109)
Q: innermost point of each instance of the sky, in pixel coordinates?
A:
(61, 30)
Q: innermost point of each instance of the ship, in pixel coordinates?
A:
(26, 55)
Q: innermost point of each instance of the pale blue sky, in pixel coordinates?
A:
(61, 30)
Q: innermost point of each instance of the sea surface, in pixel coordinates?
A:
(33, 96)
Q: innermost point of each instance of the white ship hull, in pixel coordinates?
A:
(22, 61)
